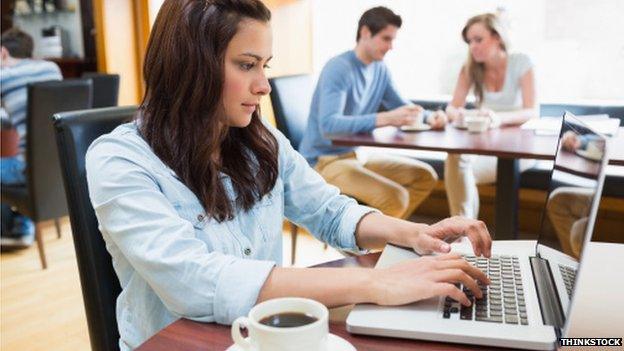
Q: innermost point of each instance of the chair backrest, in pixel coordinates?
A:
(105, 89)
(43, 172)
(75, 131)
(558, 110)
(291, 97)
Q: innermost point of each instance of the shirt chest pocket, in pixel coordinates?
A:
(192, 212)
(269, 214)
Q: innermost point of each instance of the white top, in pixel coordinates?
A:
(509, 98)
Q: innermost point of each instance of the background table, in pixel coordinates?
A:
(187, 335)
(508, 144)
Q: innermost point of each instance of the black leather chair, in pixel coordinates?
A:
(291, 97)
(105, 88)
(100, 286)
(42, 197)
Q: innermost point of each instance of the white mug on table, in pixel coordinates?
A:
(312, 336)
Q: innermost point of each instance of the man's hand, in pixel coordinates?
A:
(570, 141)
(401, 116)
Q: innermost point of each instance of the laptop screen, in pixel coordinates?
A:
(572, 202)
(573, 187)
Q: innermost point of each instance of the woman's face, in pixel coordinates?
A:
(246, 58)
(482, 43)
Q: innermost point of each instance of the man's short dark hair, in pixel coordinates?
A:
(376, 19)
(18, 43)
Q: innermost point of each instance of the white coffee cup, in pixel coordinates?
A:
(477, 124)
(594, 150)
(308, 337)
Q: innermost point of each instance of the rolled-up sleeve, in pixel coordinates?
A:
(317, 206)
(161, 247)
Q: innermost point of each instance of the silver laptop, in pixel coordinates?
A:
(532, 287)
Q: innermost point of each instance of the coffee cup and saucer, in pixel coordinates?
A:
(477, 124)
(591, 152)
(418, 127)
(474, 121)
(287, 324)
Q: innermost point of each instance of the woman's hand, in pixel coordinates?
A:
(437, 119)
(495, 120)
(455, 114)
(426, 239)
(426, 277)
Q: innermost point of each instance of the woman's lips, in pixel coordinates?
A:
(250, 108)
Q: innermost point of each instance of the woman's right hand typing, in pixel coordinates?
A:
(426, 277)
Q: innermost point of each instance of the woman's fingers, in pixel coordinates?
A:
(474, 237)
(449, 256)
(430, 244)
(457, 275)
(478, 230)
(462, 264)
(448, 289)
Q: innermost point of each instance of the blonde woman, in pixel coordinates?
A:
(504, 90)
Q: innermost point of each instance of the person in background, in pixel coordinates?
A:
(191, 196)
(17, 70)
(503, 85)
(350, 91)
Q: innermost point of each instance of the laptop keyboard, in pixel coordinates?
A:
(503, 300)
(569, 277)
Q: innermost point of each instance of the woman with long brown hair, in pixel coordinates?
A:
(504, 90)
(190, 197)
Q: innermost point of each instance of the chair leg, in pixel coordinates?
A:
(293, 241)
(57, 223)
(39, 239)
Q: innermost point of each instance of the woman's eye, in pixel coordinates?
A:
(246, 66)
(266, 66)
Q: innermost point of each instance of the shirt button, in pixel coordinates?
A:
(200, 217)
(247, 251)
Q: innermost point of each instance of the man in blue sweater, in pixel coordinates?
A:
(351, 89)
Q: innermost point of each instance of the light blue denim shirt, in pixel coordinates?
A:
(172, 260)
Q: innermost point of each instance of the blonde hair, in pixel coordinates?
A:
(476, 70)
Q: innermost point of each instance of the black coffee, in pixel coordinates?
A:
(288, 320)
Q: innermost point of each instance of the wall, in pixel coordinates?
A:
(117, 46)
(69, 21)
(576, 45)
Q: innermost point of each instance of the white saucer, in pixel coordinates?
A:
(416, 128)
(460, 126)
(588, 155)
(335, 343)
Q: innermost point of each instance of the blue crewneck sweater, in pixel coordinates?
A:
(346, 100)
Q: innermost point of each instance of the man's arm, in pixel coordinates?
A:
(334, 89)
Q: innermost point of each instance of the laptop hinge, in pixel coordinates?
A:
(552, 312)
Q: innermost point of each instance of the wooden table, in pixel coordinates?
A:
(508, 144)
(188, 335)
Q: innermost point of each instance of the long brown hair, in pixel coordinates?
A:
(181, 114)
(476, 70)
